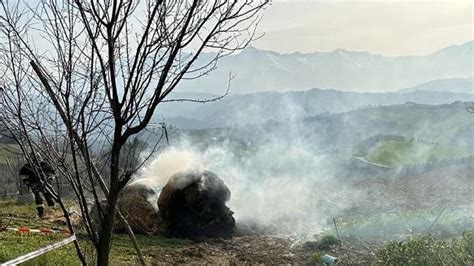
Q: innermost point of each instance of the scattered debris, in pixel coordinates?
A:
(329, 260)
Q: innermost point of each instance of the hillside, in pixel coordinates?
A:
(412, 151)
(261, 107)
(446, 123)
(456, 85)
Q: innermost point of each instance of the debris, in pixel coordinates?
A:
(329, 260)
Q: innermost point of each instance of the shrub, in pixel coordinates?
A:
(315, 259)
(325, 242)
(426, 250)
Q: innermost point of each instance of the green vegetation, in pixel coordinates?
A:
(427, 250)
(438, 123)
(322, 243)
(399, 224)
(8, 151)
(13, 244)
(406, 152)
(319, 247)
(315, 258)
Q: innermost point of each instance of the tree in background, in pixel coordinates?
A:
(79, 73)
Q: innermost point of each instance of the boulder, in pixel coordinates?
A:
(138, 204)
(192, 204)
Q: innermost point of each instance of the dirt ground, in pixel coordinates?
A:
(260, 250)
(238, 250)
(450, 187)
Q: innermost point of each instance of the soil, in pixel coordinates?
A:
(257, 249)
(261, 250)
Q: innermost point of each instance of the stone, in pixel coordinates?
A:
(138, 204)
(193, 204)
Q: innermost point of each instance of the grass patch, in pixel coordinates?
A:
(315, 258)
(427, 250)
(13, 244)
(383, 226)
(323, 243)
(8, 151)
(406, 152)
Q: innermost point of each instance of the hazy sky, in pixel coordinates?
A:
(388, 27)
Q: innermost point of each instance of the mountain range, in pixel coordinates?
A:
(262, 70)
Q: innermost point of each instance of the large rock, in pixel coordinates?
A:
(193, 204)
(138, 204)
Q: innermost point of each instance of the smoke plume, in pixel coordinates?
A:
(279, 187)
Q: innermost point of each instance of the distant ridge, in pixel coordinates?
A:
(263, 70)
(260, 107)
(455, 85)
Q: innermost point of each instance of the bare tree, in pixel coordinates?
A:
(80, 73)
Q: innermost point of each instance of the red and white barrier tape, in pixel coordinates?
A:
(40, 251)
(41, 230)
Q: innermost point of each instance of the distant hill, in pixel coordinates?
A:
(261, 107)
(439, 126)
(393, 152)
(262, 70)
(396, 140)
(455, 85)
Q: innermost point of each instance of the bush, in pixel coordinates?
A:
(315, 259)
(325, 242)
(426, 250)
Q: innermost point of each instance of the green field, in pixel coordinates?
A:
(407, 152)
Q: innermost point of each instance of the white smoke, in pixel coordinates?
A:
(282, 184)
(279, 186)
(165, 164)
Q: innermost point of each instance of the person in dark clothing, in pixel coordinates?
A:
(33, 180)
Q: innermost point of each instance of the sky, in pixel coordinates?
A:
(393, 28)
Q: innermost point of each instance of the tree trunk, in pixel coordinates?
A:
(108, 221)
(106, 231)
